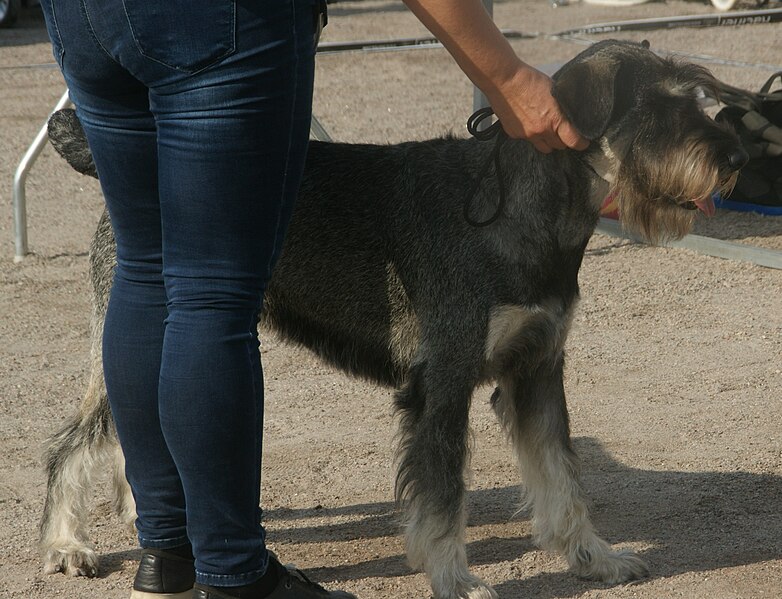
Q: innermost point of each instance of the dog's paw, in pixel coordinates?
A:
(81, 561)
(613, 567)
(483, 591)
(474, 588)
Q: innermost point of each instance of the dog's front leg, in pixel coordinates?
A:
(433, 409)
(531, 406)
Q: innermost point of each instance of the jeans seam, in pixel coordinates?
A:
(248, 347)
(167, 543)
(93, 35)
(292, 115)
(61, 49)
(222, 579)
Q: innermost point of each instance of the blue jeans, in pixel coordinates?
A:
(197, 113)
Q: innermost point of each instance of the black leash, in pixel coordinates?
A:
(494, 130)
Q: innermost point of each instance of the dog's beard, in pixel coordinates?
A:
(659, 198)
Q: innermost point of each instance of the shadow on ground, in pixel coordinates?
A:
(694, 521)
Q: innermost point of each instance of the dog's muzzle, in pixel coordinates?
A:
(735, 161)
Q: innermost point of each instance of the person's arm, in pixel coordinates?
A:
(519, 94)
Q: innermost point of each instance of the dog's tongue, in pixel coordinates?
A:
(706, 205)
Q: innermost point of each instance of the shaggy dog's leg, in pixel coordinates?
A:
(73, 455)
(531, 407)
(433, 409)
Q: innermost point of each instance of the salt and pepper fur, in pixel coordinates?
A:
(382, 277)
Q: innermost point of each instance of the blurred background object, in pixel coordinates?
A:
(10, 9)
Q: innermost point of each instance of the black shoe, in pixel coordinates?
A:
(292, 584)
(163, 574)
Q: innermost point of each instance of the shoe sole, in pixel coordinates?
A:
(144, 595)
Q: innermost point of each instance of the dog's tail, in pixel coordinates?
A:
(67, 137)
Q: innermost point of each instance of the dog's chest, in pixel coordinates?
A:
(529, 333)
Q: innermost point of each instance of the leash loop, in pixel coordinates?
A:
(495, 131)
(475, 120)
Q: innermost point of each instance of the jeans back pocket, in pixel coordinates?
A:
(186, 35)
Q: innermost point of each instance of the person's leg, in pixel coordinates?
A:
(231, 146)
(226, 152)
(113, 108)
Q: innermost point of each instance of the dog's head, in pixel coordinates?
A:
(666, 156)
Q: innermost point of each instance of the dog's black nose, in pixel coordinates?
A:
(738, 158)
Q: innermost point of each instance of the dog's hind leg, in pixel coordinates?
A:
(433, 408)
(85, 446)
(531, 406)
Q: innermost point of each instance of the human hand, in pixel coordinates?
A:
(524, 105)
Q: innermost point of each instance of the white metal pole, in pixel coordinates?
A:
(19, 199)
(705, 245)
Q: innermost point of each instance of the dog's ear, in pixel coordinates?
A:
(67, 137)
(585, 91)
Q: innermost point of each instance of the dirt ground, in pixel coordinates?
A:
(674, 373)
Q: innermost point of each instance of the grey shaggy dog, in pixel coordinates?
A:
(383, 277)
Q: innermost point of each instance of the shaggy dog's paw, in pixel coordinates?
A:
(81, 561)
(614, 567)
(472, 589)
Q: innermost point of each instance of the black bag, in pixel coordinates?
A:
(757, 118)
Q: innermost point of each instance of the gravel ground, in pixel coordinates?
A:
(674, 379)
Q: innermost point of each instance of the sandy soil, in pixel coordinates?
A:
(673, 376)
